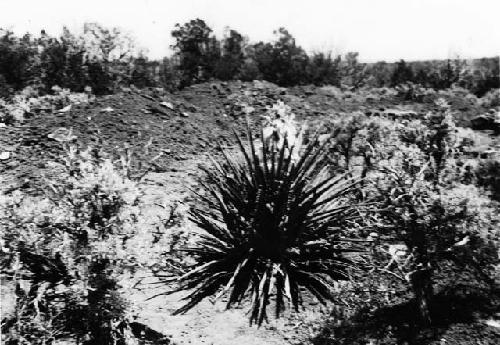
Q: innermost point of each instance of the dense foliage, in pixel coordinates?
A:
(105, 59)
(99, 57)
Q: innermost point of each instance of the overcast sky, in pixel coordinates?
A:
(377, 29)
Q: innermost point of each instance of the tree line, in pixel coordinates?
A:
(106, 58)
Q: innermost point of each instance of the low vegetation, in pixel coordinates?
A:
(367, 195)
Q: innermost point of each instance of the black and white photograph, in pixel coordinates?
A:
(250, 172)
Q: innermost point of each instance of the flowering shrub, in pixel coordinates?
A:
(66, 251)
(280, 125)
(271, 227)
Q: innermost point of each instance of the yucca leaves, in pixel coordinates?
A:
(268, 216)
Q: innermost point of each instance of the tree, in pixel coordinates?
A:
(250, 70)
(62, 62)
(281, 62)
(106, 44)
(379, 74)
(106, 49)
(196, 49)
(402, 74)
(75, 70)
(141, 75)
(323, 69)
(17, 59)
(480, 76)
(229, 65)
(422, 77)
(170, 77)
(353, 73)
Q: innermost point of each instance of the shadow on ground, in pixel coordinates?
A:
(147, 335)
(456, 312)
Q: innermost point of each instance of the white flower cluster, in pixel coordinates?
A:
(280, 125)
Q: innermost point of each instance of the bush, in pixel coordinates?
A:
(488, 177)
(435, 218)
(432, 225)
(273, 224)
(491, 99)
(66, 250)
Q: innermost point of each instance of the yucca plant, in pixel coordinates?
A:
(273, 224)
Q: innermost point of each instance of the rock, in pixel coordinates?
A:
(192, 108)
(322, 138)
(492, 323)
(148, 97)
(153, 109)
(65, 109)
(4, 155)
(397, 250)
(167, 105)
(62, 134)
(248, 109)
(12, 164)
(329, 90)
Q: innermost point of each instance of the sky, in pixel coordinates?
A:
(378, 29)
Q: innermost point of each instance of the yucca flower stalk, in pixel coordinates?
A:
(272, 224)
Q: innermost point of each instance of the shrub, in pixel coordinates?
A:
(436, 222)
(272, 225)
(488, 176)
(67, 249)
(28, 102)
(491, 99)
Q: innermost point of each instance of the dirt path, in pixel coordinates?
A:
(207, 323)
